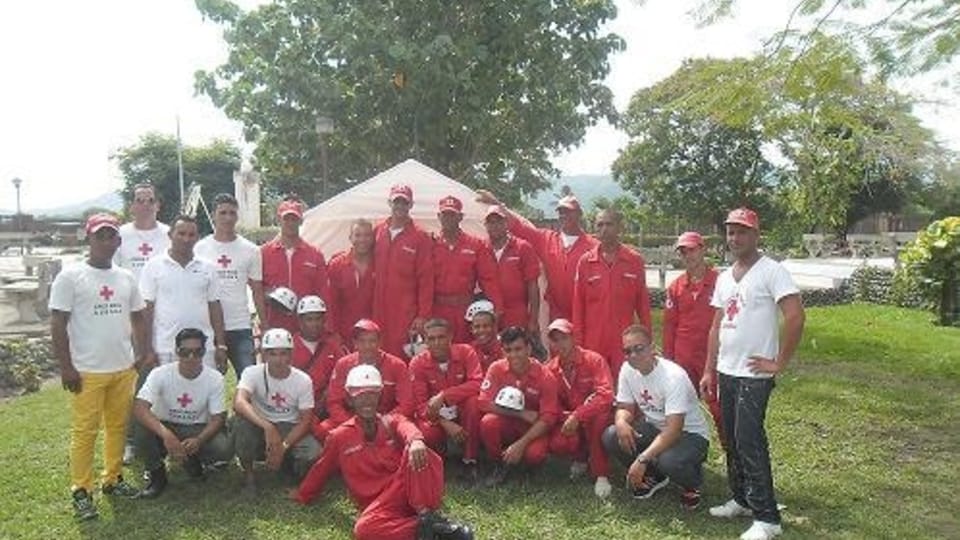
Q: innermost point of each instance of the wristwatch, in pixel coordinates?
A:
(221, 347)
(642, 459)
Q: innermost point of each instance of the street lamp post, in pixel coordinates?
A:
(324, 127)
(19, 222)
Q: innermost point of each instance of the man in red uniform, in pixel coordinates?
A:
(446, 379)
(688, 316)
(289, 261)
(610, 292)
(461, 262)
(586, 397)
(352, 280)
(518, 271)
(397, 396)
(524, 425)
(403, 262)
(316, 349)
(559, 251)
(483, 325)
(394, 479)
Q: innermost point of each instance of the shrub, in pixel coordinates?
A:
(933, 260)
(24, 364)
(261, 235)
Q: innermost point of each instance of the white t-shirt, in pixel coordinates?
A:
(99, 302)
(139, 246)
(177, 399)
(181, 297)
(237, 262)
(750, 324)
(665, 391)
(278, 400)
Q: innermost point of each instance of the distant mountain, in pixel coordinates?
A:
(586, 187)
(111, 201)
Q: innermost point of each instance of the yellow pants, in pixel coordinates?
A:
(104, 398)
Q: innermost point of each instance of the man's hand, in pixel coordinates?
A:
(760, 365)
(454, 430)
(418, 455)
(416, 326)
(626, 438)
(70, 379)
(486, 197)
(147, 362)
(191, 445)
(174, 447)
(533, 326)
(571, 426)
(220, 356)
(529, 416)
(635, 473)
(275, 449)
(707, 383)
(434, 405)
(514, 453)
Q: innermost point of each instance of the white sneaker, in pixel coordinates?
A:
(577, 469)
(602, 488)
(730, 509)
(129, 454)
(761, 530)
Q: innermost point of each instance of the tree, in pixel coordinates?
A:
(153, 159)
(484, 91)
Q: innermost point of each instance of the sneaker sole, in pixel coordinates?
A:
(737, 514)
(653, 490)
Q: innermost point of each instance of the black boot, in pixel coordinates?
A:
(194, 468)
(156, 482)
(434, 526)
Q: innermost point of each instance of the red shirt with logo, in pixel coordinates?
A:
(304, 274)
(459, 381)
(403, 289)
(395, 398)
(538, 385)
(587, 391)
(351, 293)
(687, 318)
(319, 363)
(517, 266)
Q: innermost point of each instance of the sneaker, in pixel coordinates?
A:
(469, 474)
(730, 509)
(602, 487)
(434, 526)
(194, 468)
(129, 454)
(650, 486)
(83, 507)
(497, 476)
(690, 499)
(155, 482)
(121, 488)
(761, 530)
(577, 469)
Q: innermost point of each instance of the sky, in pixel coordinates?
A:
(81, 79)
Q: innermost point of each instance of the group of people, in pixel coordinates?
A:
(410, 352)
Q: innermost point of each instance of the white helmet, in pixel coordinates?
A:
(277, 338)
(311, 304)
(510, 397)
(285, 297)
(414, 347)
(363, 378)
(480, 306)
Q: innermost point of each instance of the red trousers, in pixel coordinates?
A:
(694, 369)
(393, 514)
(584, 445)
(468, 417)
(497, 431)
(454, 315)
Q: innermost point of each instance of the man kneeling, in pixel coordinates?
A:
(395, 480)
(669, 440)
(180, 413)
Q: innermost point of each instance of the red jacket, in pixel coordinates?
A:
(459, 382)
(403, 289)
(606, 298)
(318, 364)
(306, 275)
(687, 317)
(367, 467)
(588, 392)
(538, 385)
(489, 353)
(516, 268)
(559, 264)
(396, 397)
(460, 267)
(351, 293)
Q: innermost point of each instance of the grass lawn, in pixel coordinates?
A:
(864, 429)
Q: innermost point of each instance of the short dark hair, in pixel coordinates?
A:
(190, 333)
(224, 198)
(360, 222)
(144, 185)
(513, 333)
(186, 218)
(437, 322)
(638, 330)
(615, 215)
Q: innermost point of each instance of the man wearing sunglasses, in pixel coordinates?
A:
(659, 432)
(181, 414)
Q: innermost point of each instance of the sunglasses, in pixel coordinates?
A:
(185, 352)
(635, 349)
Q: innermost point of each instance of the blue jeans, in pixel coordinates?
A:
(240, 349)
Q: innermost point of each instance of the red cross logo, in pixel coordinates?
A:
(145, 249)
(732, 308)
(184, 400)
(106, 293)
(278, 400)
(645, 395)
(224, 261)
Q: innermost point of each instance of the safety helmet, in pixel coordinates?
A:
(285, 297)
(276, 338)
(510, 397)
(363, 378)
(480, 306)
(414, 347)
(311, 304)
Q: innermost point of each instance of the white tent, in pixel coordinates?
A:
(327, 225)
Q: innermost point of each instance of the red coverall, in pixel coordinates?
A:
(517, 267)
(489, 353)
(379, 478)
(351, 294)
(458, 269)
(559, 264)
(539, 388)
(306, 275)
(687, 317)
(395, 398)
(403, 289)
(318, 364)
(605, 300)
(588, 395)
(460, 383)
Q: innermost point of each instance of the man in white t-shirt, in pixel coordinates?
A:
(238, 265)
(659, 432)
(143, 238)
(96, 308)
(182, 291)
(181, 413)
(746, 350)
(274, 406)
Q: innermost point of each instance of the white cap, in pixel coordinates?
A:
(276, 338)
(510, 397)
(285, 297)
(363, 378)
(311, 304)
(480, 306)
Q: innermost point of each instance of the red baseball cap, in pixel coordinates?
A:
(403, 191)
(495, 210)
(451, 204)
(366, 325)
(290, 207)
(99, 221)
(561, 325)
(743, 216)
(569, 202)
(689, 239)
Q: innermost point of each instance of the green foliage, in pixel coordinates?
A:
(484, 91)
(934, 260)
(24, 364)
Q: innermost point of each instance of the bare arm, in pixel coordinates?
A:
(533, 304)
(216, 320)
(259, 299)
(243, 407)
(667, 437)
(146, 418)
(794, 317)
(301, 429)
(69, 376)
(141, 337)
